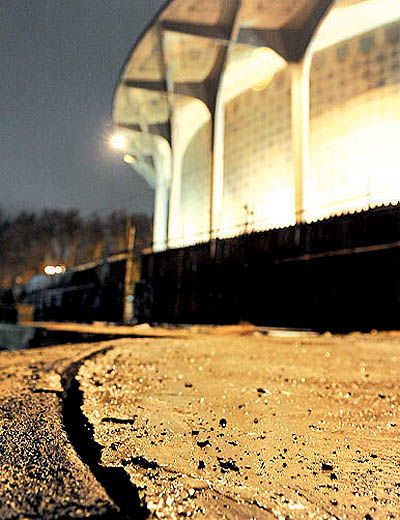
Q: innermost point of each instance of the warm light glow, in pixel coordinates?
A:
(266, 59)
(355, 165)
(250, 69)
(261, 85)
(118, 141)
(263, 55)
(129, 159)
(51, 270)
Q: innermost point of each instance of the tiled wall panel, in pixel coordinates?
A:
(258, 169)
(354, 143)
(355, 124)
(195, 187)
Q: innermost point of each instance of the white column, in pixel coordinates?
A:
(300, 91)
(174, 218)
(159, 181)
(218, 135)
(160, 222)
(217, 168)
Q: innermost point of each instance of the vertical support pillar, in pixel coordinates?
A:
(169, 187)
(174, 218)
(217, 166)
(300, 74)
(217, 109)
(161, 198)
(160, 225)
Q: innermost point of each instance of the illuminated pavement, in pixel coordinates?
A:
(210, 426)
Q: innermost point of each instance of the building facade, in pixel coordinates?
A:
(262, 113)
(257, 115)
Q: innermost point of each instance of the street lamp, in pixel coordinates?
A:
(129, 158)
(118, 141)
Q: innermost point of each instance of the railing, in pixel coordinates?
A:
(339, 273)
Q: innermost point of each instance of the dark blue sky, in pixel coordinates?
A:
(59, 62)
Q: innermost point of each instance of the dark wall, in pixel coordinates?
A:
(337, 274)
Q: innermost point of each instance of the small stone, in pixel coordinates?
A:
(203, 444)
(228, 465)
(326, 467)
(222, 423)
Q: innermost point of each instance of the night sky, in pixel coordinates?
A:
(59, 62)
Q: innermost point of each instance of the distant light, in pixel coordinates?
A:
(118, 141)
(51, 270)
(129, 159)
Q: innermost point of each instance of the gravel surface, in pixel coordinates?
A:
(252, 426)
(208, 426)
(40, 474)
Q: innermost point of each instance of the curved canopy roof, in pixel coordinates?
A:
(194, 48)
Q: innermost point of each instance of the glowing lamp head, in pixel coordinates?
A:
(266, 62)
(129, 159)
(264, 55)
(118, 141)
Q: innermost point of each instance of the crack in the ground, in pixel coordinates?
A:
(116, 420)
(80, 431)
(141, 462)
(35, 390)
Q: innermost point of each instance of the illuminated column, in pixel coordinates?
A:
(300, 93)
(174, 220)
(217, 167)
(160, 222)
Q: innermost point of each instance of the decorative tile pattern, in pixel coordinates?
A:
(195, 187)
(258, 169)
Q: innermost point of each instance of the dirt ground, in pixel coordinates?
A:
(253, 426)
(234, 424)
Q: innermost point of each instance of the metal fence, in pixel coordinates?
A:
(341, 273)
